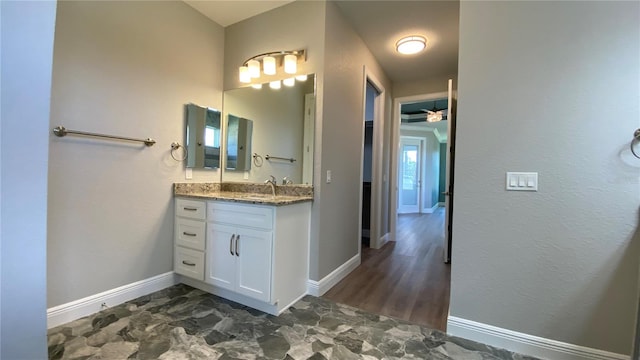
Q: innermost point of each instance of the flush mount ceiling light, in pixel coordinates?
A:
(250, 69)
(411, 45)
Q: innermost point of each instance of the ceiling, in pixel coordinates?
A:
(415, 118)
(226, 12)
(380, 24)
(417, 107)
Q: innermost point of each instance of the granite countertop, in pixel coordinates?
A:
(245, 193)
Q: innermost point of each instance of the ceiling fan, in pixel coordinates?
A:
(435, 114)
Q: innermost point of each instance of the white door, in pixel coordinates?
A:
(409, 176)
(253, 265)
(448, 191)
(221, 259)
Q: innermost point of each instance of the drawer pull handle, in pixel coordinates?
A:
(237, 242)
(188, 263)
(190, 208)
(231, 244)
(188, 234)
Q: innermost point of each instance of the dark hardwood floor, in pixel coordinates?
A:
(406, 278)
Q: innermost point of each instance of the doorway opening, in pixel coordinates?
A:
(371, 93)
(374, 187)
(406, 278)
(429, 119)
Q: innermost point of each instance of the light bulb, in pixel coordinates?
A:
(269, 65)
(257, 86)
(244, 74)
(275, 84)
(301, 77)
(290, 64)
(254, 68)
(289, 81)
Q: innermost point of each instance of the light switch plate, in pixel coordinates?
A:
(188, 174)
(328, 176)
(522, 181)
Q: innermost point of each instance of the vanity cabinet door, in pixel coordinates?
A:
(221, 259)
(254, 263)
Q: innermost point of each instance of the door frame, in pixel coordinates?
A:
(395, 150)
(421, 160)
(375, 239)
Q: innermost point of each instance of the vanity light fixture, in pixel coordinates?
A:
(269, 64)
(270, 61)
(275, 84)
(290, 64)
(411, 44)
(245, 77)
(254, 68)
(289, 81)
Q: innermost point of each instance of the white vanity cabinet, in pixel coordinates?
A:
(240, 260)
(254, 254)
(189, 238)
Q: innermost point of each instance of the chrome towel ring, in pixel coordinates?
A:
(636, 139)
(175, 146)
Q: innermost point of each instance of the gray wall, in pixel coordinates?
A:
(442, 181)
(122, 68)
(429, 86)
(336, 205)
(298, 25)
(560, 263)
(27, 50)
(329, 40)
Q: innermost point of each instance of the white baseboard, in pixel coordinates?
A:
(524, 343)
(318, 288)
(74, 310)
(383, 240)
(431, 209)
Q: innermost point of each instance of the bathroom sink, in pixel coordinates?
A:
(259, 197)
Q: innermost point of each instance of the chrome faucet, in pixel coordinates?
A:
(273, 184)
(286, 181)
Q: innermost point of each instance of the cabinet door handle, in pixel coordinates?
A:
(231, 244)
(188, 234)
(188, 263)
(237, 242)
(190, 208)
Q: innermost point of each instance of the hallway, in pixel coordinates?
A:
(407, 278)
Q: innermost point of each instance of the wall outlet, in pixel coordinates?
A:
(188, 174)
(246, 175)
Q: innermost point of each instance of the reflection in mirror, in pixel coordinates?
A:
(283, 127)
(202, 137)
(239, 143)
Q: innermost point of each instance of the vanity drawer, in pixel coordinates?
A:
(193, 209)
(239, 214)
(188, 262)
(190, 233)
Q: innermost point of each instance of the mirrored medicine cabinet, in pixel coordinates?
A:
(203, 133)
